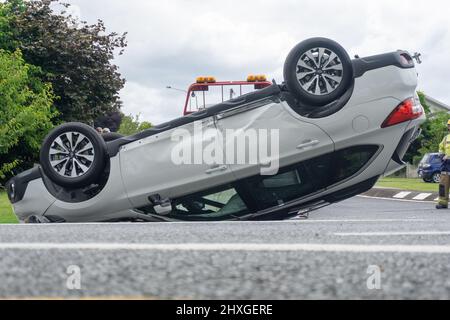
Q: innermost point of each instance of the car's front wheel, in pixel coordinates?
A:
(318, 71)
(436, 178)
(73, 155)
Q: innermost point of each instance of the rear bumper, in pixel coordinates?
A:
(411, 134)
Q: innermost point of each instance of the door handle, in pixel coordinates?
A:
(265, 164)
(308, 144)
(216, 169)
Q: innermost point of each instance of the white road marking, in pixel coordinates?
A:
(391, 199)
(383, 234)
(402, 195)
(422, 196)
(365, 220)
(253, 247)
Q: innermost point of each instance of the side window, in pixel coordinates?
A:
(320, 169)
(210, 205)
(270, 191)
(341, 165)
(349, 161)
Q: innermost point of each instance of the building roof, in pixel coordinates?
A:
(436, 104)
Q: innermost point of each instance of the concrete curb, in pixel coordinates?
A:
(404, 195)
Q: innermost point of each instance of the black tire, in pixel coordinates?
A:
(78, 163)
(111, 136)
(318, 86)
(426, 180)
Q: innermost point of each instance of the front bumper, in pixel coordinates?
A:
(28, 194)
(17, 186)
(425, 174)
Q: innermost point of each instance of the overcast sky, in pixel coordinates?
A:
(171, 42)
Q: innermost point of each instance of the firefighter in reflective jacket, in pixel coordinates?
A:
(444, 184)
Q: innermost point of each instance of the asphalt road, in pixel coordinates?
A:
(327, 256)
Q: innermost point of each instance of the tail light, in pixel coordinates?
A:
(408, 110)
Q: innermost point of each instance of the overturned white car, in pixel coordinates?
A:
(331, 130)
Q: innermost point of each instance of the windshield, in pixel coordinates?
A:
(215, 94)
(426, 158)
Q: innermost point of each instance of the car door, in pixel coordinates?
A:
(282, 138)
(154, 165)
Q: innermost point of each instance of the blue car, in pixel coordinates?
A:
(430, 167)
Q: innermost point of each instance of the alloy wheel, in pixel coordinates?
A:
(320, 71)
(71, 154)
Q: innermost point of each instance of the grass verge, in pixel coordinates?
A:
(407, 184)
(6, 213)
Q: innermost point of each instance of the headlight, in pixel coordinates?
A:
(12, 191)
(426, 166)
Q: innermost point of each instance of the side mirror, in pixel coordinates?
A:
(163, 210)
(161, 206)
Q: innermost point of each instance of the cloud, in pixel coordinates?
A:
(152, 104)
(171, 42)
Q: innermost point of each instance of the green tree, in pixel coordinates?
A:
(423, 102)
(433, 131)
(131, 125)
(6, 25)
(25, 112)
(73, 56)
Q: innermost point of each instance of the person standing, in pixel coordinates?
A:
(444, 184)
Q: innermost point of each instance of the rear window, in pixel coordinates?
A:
(333, 168)
(348, 162)
(215, 94)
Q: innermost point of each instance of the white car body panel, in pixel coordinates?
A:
(300, 140)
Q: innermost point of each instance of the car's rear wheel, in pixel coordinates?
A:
(73, 155)
(318, 71)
